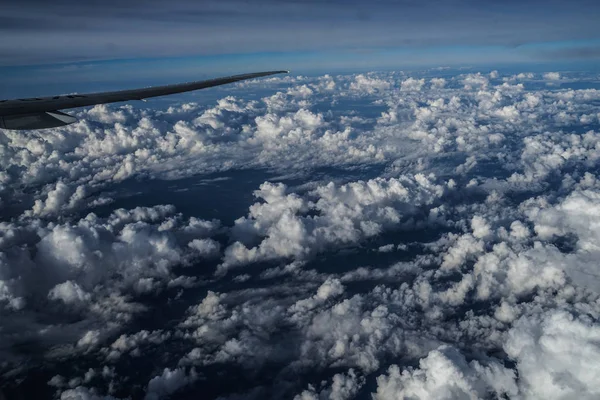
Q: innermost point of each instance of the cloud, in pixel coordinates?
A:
(440, 242)
(169, 382)
(475, 81)
(89, 269)
(552, 76)
(59, 199)
(556, 355)
(69, 292)
(346, 215)
(205, 247)
(445, 374)
(438, 83)
(572, 219)
(412, 84)
(131, 344)
(343, 387)
(83, 393)
(369, 85)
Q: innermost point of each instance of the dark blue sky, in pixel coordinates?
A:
(35, 31)
(189, 38)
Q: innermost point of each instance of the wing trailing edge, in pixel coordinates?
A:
(44, 120)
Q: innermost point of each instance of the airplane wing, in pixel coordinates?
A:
(43, 112)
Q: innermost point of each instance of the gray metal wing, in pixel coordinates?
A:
(42, 112)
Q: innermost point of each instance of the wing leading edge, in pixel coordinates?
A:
(43, 112)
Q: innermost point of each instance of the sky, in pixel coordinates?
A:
(115, 42)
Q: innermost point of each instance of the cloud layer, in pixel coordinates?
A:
(418, 236)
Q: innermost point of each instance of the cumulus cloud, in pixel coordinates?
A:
(69, 292)
(343, 387)
(205, 247)
(169, 382)
(83, 393)
(130, 344)
(61, 198)
(445, 374)
(475, 81)
(412, 84)
(367, 84)
(438, 83)
(346, 214)
(552, 76)
(90, 268)
(440, 230)
(556, 355)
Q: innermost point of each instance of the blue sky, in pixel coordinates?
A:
(104, 43)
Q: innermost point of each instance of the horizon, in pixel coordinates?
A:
(113, 44)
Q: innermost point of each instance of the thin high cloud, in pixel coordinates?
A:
(40, 32)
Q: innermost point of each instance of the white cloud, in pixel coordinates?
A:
(347, 214)
(552, 76)
(557, 355)
(83, 393)
(386, 248)
(92, 266)
(438, 83)
(169, 382)
(343, 387)
(486, 189)
(69, 292)
(205, 247)
(412, 84)
(61, 198)
(445, 374)
(329, 289)
(576, 216)
(475, 81)
(368, 84)
(131, 343)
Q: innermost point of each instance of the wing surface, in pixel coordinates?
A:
(11, 108)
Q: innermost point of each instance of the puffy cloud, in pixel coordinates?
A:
(329, 289)
(169, 382)
(92, 266)
(346, 214)
(412, 84)
(387, 248)
(367, 84)
(556, 355)
(465, 247)
(445, 374)
(552, 76)
(83, 393)
(343, 387)
(131, 343)
(69, 292)
(438, 83)
(575, 218)
(522, 76)
(61, 198)
(205, 247)
(462, 212)
(472, 81)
